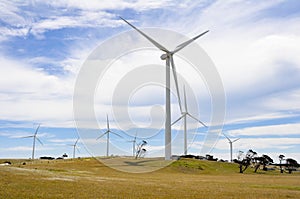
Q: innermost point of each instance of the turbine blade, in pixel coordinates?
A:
(76, 141)
(176, 82)
(235, 140)
(116, 134)
(30, 136)
(197, 120)
(227, 137)
(37, 129)
(184, 44)
(107, 122)
(185, 103)
(102, 135)
(147, 37)
(39, 140)
(135, 136)
(78, 149)
(177, 120)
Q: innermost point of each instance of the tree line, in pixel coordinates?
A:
(253, 160)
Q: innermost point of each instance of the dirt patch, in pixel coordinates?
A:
(60, 178)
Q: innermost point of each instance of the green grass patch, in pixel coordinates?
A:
(204, 166)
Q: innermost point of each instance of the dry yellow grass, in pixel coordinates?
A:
(88, 178)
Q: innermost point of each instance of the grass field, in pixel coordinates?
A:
(88, 178)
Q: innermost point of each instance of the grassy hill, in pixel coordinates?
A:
(186, 178)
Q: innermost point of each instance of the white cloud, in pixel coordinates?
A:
(260, 144)
(95, 5)
(29, 93)
(25, 148)
(250, 117)
(279, 130)
(84, 19)
(19, 148)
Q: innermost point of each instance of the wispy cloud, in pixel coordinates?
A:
(260, 144)
(278, 130)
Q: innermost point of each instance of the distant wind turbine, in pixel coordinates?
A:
(230, 143)
(108, 131)
(168, 56)
(133, 144)
(183, 116)
(74, 146)
(34, 136)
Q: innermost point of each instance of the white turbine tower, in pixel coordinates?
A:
(133, 144)
(168, 56)
(108, 131)
(184, 115)
(74, 146)
(34, 136)
(230, 143)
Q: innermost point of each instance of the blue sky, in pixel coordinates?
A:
(255, 46)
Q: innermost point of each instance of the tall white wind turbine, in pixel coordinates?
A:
(133, 144)
(74, 147)
(168, 56)
(34, 136)
(230, 143)
(108, 131)
(184, 115)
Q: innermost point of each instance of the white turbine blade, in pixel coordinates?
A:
(184, 44)
(176, 82)
(107, 122)
(147, 37)
(235, 140)
(227, 137)
(116, 134)
(39, 140)
(78, 149)
(37, 129)
(135, 136)
(197, 120)
(30, 136)
(178, 120)
(102, 135)
(185, 103)
(76, 141)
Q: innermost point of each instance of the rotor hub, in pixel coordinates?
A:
(164, 56)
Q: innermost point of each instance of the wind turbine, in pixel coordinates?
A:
(34, 136)
(108, 131)
(133, 144)
(168, 56)
(230, 143)
(184, 115)
(74, 146)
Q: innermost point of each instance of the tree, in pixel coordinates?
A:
(141, 151)
(245, 161)
(280, 162)
(263, 160)
(291, 164)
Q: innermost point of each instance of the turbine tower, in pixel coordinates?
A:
(230, 143)
(34, 136)
(168, 56)
(184, 115)
(133, 144)
(74, 146)
(108, 131)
